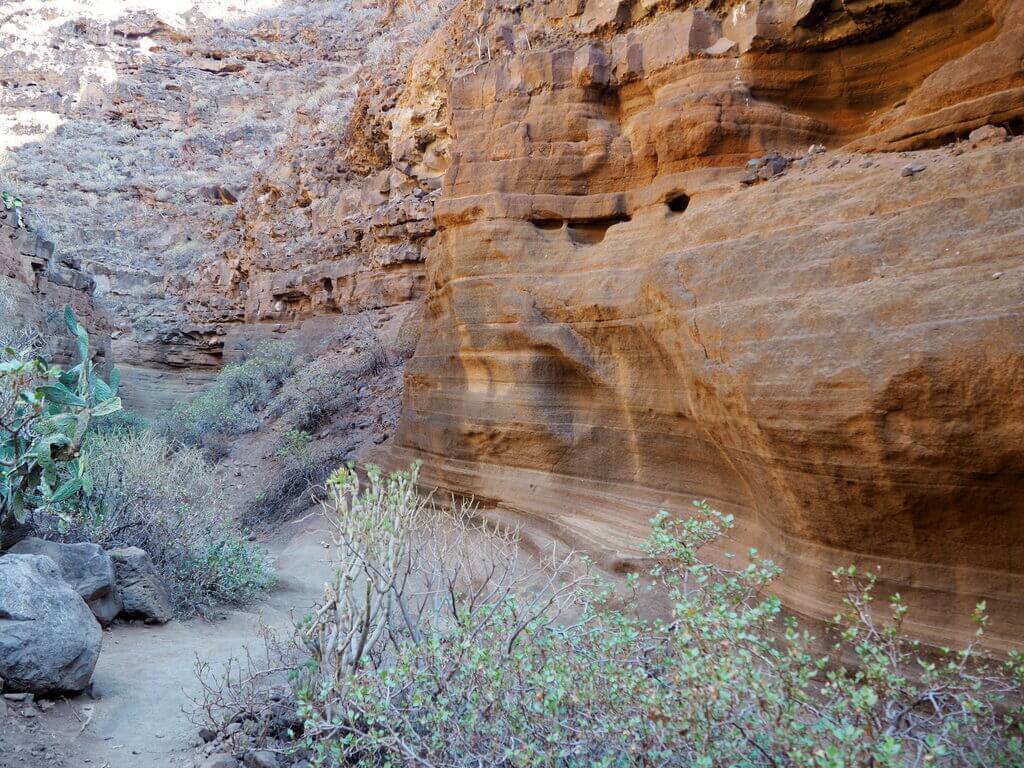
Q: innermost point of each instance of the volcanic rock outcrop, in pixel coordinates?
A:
(835, 354)
(36, 283)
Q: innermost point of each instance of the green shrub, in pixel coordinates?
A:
(430, 649)
(233, 403)
(147, 492)
(295, 446)
(45, 413)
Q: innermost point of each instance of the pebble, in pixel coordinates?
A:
(912, 169)
(260, 759)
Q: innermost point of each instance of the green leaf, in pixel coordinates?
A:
(67, 490)
(113, 405)
(70, 321)
(19, 506)
(58, 393)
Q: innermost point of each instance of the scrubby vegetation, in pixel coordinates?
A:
(300, 468)
(166, 499)
(74, 466)
(16, 335)
(326, 384)
(436, 646)
(232, 405)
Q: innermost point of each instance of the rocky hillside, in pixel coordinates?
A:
(174, 148)
(765, 253)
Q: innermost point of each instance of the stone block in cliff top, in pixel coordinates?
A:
(764, 21)
(601, 14)
(680, 37)
(539, 69)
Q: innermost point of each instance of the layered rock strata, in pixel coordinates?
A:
(616, 324)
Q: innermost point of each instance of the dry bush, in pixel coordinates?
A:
(300, 469)
(148, 493)
(233, 404)
(328, 383)
(15, 331)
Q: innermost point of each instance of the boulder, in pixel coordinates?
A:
(139, 586)
(49, 639)
(988, 134)
(86, 567)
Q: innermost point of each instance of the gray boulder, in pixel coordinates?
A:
(49, 639)
(86, 567)
(139, 586)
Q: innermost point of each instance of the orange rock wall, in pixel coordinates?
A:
(615, 324)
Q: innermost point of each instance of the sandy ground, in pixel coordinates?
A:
(146, 675)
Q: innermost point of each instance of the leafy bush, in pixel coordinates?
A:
(232, 404)
(148, 493)
(44, 415)
(295, 446)
(430, 649)
(13, 202)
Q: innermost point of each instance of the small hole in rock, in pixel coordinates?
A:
(593, 231)
(678, 203)
(547, 223)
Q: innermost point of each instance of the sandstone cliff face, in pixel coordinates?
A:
(619, 312)
(621, 316)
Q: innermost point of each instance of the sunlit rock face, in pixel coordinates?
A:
(622, 315)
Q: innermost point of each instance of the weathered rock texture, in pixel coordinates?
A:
(36, 283)
(621, 314)
(616, 324)
(86, 567)
(139, 588)
(193, 157)
(49, 640)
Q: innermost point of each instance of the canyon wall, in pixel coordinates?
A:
(766, 253)
(190, 155)
(625, 314)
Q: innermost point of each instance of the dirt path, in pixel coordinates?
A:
(146, 674)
